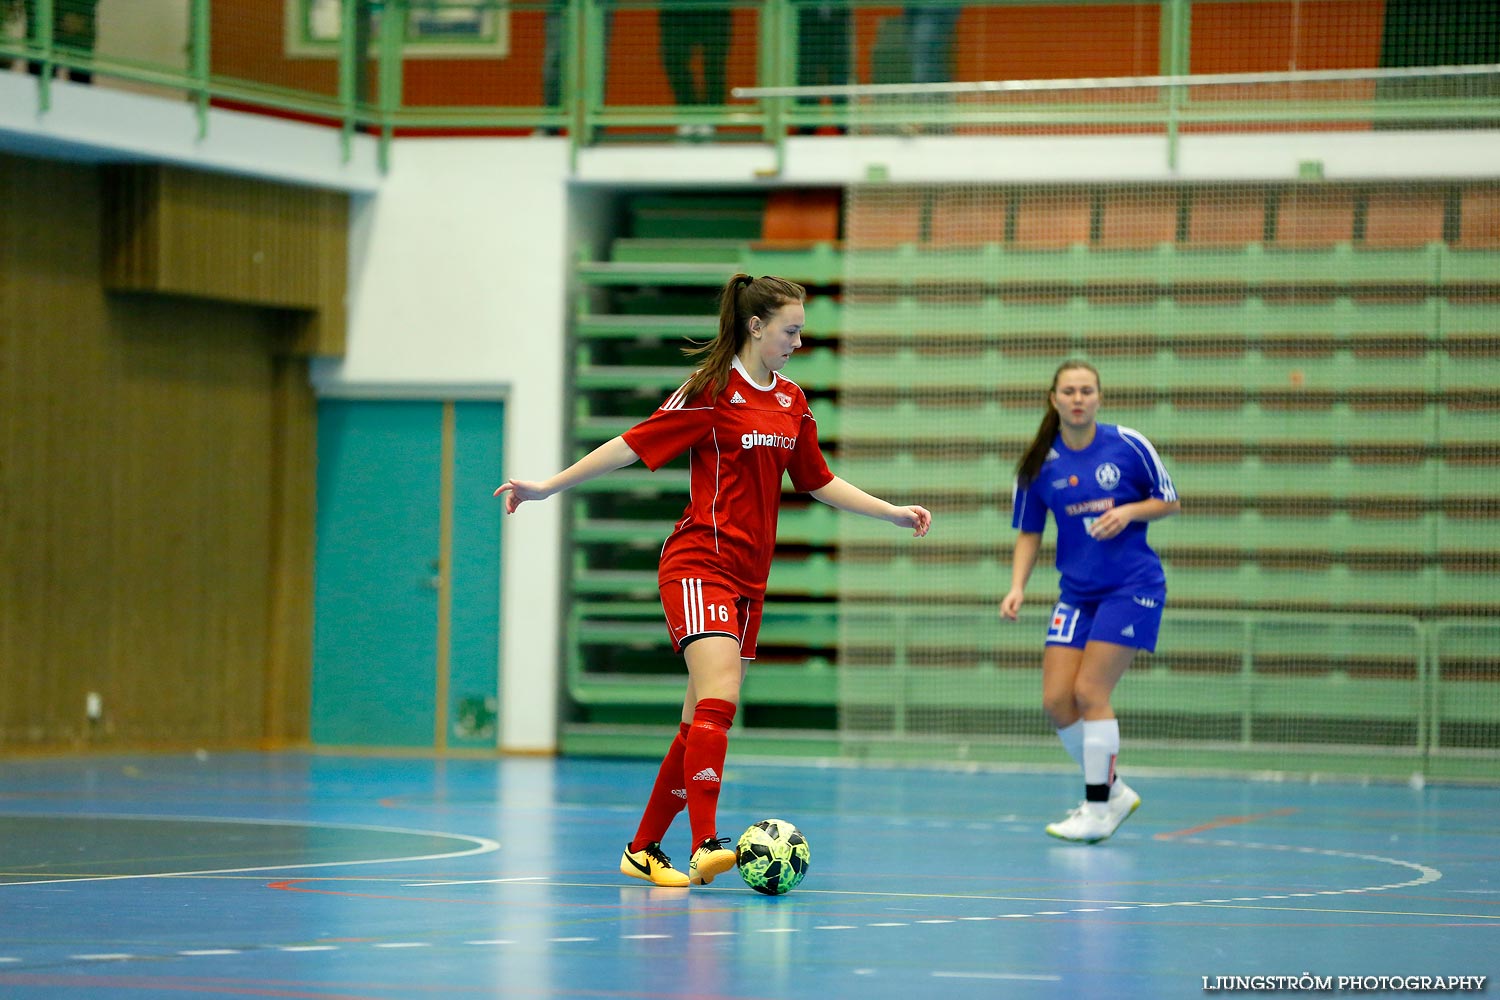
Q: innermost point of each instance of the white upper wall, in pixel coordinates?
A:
(457, 276)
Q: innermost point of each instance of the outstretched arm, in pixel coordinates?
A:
(1022, 562)
(846, 496)
(609, 456)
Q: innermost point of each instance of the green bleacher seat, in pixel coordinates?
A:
(1466, 322)
(1468, 424)
(1337, 532)
(1472, 372)
(595, 326)
(815, 368)
(676, 251)
(1248, 584)
(700, 214)
(1251, 478)
(1260, 424)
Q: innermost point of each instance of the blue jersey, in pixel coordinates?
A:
(1118, 467)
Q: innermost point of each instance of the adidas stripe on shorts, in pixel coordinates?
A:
(698, 607)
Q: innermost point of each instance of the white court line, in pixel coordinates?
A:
(483, 845)
(997, 975)
(477, 881)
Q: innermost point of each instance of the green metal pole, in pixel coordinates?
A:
(1176, 48)
(392, 31)
(201, 61)
(350, 36)
(592, 62)
(43, 41)
(774, 43)
(576, 26)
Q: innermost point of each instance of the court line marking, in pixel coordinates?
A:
(477, 881)
(1223, 821)
(482, 845)
(1425, 874)
(997, 975)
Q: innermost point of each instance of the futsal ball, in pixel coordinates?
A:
(773, 856)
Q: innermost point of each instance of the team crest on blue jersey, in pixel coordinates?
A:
(1107, 475)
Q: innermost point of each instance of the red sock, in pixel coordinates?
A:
(668, 796)
(703, 764)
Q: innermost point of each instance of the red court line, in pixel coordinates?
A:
(1223, 821)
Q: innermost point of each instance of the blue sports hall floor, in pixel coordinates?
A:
(355, 878)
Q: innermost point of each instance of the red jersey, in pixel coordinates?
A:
(740, 443)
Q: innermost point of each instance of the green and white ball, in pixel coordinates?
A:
(773, 857)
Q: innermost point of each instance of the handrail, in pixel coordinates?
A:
(584, 106)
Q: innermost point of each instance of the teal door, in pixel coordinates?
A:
(407, 596)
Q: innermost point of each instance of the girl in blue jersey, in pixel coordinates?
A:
(1102, 483)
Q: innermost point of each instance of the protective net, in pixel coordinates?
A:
(1315, 362)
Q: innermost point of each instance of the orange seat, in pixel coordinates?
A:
(880, 218)
(1226, 216)
(970, 217)
(1404, 218)
(1479, 216)
(1314, 217)
(799, 215)
(1053, 218)
(1138, 218)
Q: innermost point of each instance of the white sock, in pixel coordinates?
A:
(1072, 741)
(1101, 745)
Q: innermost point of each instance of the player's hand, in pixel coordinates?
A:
(916, 518)
(1109, 524)
(518, 491)
(1010, 605)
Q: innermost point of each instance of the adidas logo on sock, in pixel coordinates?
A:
(681, 793)
(707, 774)
(736, 398)
(1128, 631)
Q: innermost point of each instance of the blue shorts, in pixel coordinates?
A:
(1124, 619)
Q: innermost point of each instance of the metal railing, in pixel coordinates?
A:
(608, 70)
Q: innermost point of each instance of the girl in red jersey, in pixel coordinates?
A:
(744, 425)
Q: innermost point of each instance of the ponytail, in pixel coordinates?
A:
(1035, 455)
(741, 297)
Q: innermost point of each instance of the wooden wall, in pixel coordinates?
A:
(156, 491)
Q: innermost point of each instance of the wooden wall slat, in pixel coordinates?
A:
(234, 239)
(155, 483)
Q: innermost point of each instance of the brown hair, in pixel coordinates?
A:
(741, 297)
(1036, 453)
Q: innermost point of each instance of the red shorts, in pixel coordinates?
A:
(697, 607)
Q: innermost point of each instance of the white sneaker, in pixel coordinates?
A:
(1088, 823)
(1123, 800)
(1092, 822)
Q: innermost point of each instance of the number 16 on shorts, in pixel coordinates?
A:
(697, 606)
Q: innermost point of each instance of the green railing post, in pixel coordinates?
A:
(571, 70)
(43, 42)
(1247, 676)
(392, 39)
(777, 43)
(1176, 49)
(1425, 696)
(593, 65)
(350, 39)
(200, 60)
